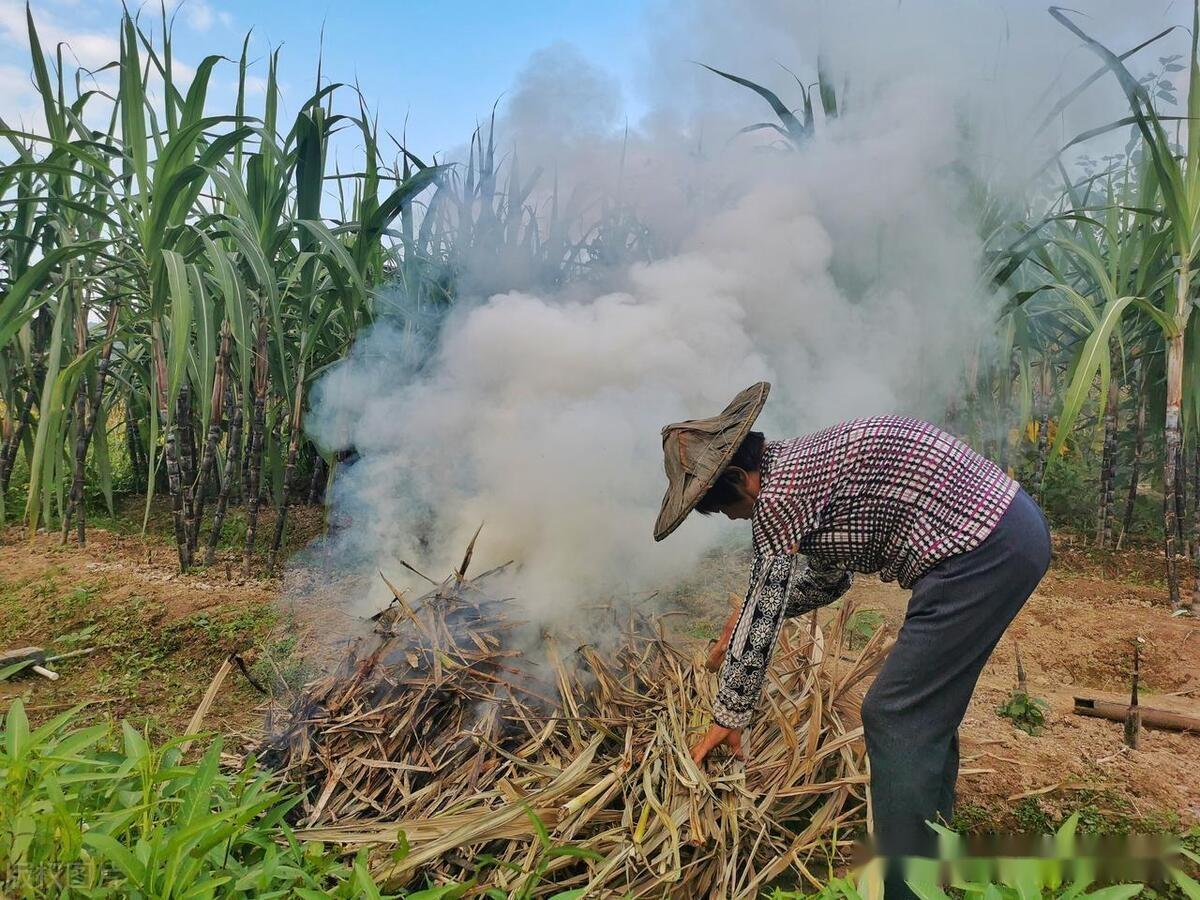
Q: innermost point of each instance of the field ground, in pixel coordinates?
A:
(161, 636)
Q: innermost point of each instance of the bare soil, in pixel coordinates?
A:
(161, 636)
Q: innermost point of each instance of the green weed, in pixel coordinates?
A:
(93, 812)
(1026, 712)
(862, 624)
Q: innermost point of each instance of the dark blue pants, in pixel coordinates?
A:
(958, 611)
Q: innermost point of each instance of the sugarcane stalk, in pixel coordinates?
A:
(80, 427)
(1171, 428)
(315, 480)
(183, 415)
(1043, 440)
(9, 455)
(1196, 477)
(1195, 598)
(257, 427)
(133, 445)
(170, 450)
(87, 412)
(289, 470)
(244, 465)
(232, 454)
(1108, 466)
(79, 420)
(187, 428)
(1181, 501)
(1170, 513)
(188, 460)
(208, 460)
(175, 488)
(1135, 466)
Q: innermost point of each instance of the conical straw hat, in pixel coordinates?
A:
(697, 451)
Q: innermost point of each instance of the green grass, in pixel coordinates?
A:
(107, 811)
(104, 812)
(702, 631)
(970, 818)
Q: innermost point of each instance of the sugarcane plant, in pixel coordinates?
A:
(1138, 257)
(1099, 291)
(177, 273)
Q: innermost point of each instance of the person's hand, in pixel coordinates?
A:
(715, 737)
(716, 655)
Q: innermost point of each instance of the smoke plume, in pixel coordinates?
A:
(845, 272)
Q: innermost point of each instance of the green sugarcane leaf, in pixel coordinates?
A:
(203, 359)
(1093, 264)
(1093, 359)
(9, 671)
(442, 892)
(335, 249)
(362, 882)
(1189, 885)
(794, 127)
(310, 167)
(1116, 892)
(131, 99)
(236, 307)
(193, 106)
(1174, 192)
(12, 304)
(41, 76)
(1163, 320)
(46, 421)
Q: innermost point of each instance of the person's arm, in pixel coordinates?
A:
(816, 584)
(744, 671)
(768, 602)
(780, 587)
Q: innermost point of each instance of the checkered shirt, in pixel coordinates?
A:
(886, 494)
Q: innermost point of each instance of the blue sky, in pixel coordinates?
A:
(443, 65)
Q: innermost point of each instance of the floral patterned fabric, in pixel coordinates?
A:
(781, 587)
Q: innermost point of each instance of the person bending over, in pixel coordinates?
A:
(889, 495)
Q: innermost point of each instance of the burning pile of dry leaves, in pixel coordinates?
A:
(444, 733)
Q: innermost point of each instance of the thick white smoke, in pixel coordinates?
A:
(846, 274)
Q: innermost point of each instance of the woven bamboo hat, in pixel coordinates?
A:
(697, 451)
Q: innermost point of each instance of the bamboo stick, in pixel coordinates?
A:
(1150, 716)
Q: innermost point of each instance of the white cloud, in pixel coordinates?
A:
(91, 48)
(19, 104)
(199, 14)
